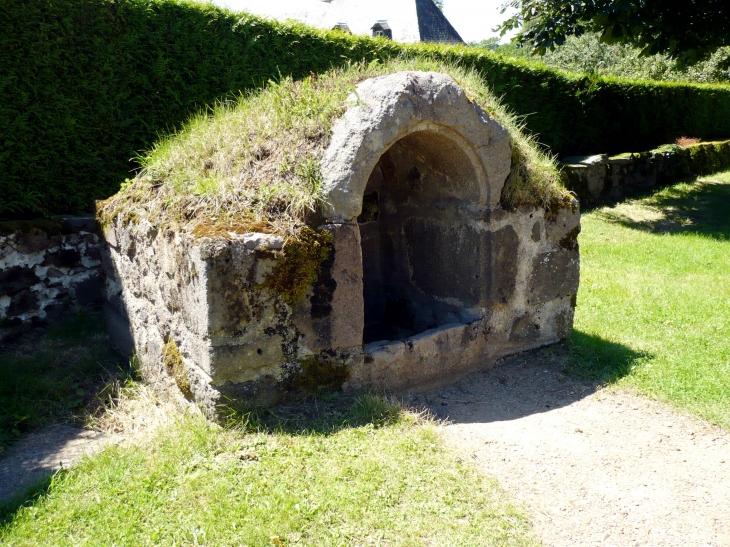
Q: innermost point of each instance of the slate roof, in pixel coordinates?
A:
(434, 26)
(409, 20)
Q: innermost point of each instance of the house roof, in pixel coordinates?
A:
(342, 26)
(434, 26)
(409, 20)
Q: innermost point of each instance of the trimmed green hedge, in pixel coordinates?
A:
(86, 84)
(709, 157)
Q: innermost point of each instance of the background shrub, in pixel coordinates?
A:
(85, 85)
(587, 54)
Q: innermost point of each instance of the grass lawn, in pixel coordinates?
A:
(366, 474)
(653, 316)
(54, 375)
(653, 309)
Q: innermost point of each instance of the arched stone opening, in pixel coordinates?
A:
(421, 251)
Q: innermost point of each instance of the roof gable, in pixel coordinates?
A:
(409, 20)
(433, 24)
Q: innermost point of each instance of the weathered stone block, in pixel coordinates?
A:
(565, 228)
(445, 258)
(16, 279)
(23, 303)
(63, 258)
(331, 315)
(555, 275)
(89, 291)
(525, 329)
(504, 264)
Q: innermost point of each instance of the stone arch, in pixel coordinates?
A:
(415, 164)
(421, 252)
(387, 109)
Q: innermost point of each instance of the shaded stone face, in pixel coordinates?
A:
(503, 265)
(445, 259)
(421, 257)
(420, 277)
(525, 329)
(48, 268)
(554, 276)
(17, 279)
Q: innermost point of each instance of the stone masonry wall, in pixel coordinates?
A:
(534, 278)
(47, 269)
(237, 342)
(450, 283)
(598, 177)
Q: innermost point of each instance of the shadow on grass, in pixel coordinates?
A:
(596, 359)
(54, 374)
(29, 496)
(700, 206)
(322, 414)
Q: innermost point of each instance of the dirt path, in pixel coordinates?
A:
(136, 414)
(41, 454)
(592, 467)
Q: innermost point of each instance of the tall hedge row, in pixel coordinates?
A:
(87, 84)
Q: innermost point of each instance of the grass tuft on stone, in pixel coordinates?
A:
(253, 164)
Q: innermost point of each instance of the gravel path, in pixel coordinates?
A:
(42, 453)
(593, 467)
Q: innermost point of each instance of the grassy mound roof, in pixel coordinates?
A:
(254, 164)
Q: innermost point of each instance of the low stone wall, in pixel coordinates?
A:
(48, 269)
(598, 177)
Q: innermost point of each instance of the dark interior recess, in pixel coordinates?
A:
(421, 255)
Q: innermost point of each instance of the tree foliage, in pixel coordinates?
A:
(689, 29)
(587, 54)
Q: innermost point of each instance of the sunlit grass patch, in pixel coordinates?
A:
(655, 280)
(386, 481)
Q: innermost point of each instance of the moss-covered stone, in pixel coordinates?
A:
(624, 156)
(299, 264)
(709, 157)
(318, 375)
(175, 367)
(667, 149)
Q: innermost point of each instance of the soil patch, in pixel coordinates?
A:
(594, 466)
(40, 454)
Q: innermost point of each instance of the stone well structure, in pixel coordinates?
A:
(427, 278)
